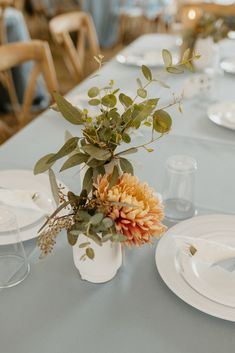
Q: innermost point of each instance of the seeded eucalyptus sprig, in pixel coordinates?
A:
(102, 134)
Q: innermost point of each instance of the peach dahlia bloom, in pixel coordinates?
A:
(139, 223)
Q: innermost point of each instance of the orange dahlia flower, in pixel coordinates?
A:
(142, 220)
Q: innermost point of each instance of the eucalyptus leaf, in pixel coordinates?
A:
(96, 219)
(107, 222)
(167, 57)
(174, 70)
(96, 152)
(125, 100)
(142, 92)
(88, 180)
(90, 253)
(72, 238)
(94, 163)
(93, 92)
(147, 73)
(69, 112)
(74, 160)
(114, 177)
(162, 121)
(186, 54)
(126, 138)
(129, 151)
(83, 215)
(109, 100)
(140, 115)
(94, 101)
(54, 187)
(43, 165)
(126, 166)
(84, 245)
(66, 149)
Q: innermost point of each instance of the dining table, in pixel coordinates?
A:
(53, 310)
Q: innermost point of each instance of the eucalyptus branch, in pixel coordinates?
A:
(139, 146)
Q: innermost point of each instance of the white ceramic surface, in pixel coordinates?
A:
(29, 221)
(223, 114)
(186, 279)
(151, 58)
(228, 65)
(104, 266)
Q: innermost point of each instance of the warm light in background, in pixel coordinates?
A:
(192, 14)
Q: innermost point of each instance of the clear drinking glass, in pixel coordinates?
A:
(178, 191)
(14, 266)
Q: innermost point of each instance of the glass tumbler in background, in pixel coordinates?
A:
(14, 266)
(178, 190)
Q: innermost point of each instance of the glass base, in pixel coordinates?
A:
(13, 270)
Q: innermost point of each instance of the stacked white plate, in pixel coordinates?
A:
(210, 289)
(29, 221)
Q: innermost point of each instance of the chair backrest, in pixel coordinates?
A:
(61, 26)
(192, 12)
(15, 54)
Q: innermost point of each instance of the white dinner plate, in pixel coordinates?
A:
(228, 65)
(223, 114)
(29, 221)
(151, 58)
(211, 290)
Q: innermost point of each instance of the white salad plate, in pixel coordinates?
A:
(210, 289)
(228, 65)
(29, 221)
(151, 55)
(223, 114)
(152, 58)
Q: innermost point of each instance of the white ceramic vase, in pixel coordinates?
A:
(108, 257)
(104, 266)
(209, 52)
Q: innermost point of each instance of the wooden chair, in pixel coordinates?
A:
(15, 54)
(74, 55)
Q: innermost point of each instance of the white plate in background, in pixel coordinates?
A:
(228, 65)
(223, 114)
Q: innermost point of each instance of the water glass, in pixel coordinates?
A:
(14, 266)
(178, 191)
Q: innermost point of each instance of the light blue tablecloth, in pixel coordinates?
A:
(17, 31)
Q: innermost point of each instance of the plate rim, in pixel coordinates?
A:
(227, 126)
(186, 293)
(31, 231)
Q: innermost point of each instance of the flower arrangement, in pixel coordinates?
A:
(209, 25)
(113, 204)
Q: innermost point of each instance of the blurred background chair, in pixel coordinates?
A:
(17, 53)
(81, 24)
